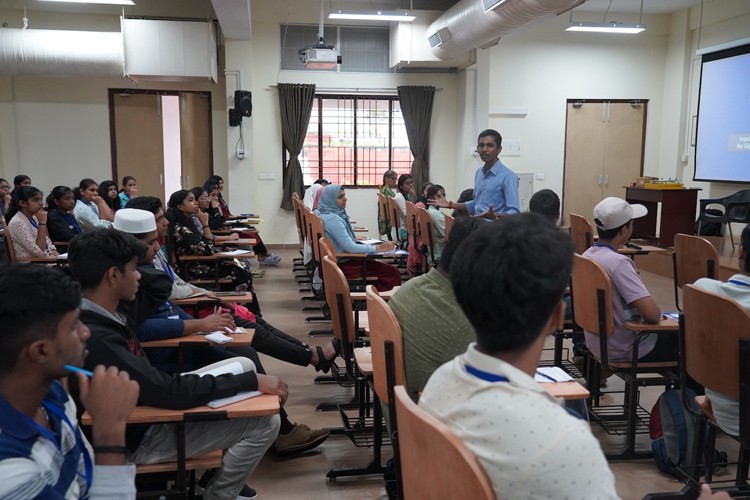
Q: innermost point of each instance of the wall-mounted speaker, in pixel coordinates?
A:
(243, 101)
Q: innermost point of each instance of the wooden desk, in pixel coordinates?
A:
(677, 213)
(240, 298)
(265, 404)
(242, 242)
(360, 229)
(566, 390)
(238, 339)
(644, 250)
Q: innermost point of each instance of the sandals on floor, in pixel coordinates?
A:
(324, 365)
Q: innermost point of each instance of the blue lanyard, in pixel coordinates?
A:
(72, 223)
(165, 265)
(605, 245)
(738, 282)
(88, 464)
(489, 377)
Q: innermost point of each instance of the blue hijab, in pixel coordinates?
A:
(327, 206)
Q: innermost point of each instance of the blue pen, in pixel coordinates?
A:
(544, 375)
(72, 368)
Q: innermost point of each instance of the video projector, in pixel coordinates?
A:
(319, 57)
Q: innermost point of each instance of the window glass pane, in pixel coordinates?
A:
(402, 157)
(354, 148)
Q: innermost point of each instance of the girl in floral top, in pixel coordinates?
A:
(186, 239)
(27, 224)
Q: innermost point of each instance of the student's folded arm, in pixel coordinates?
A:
(648, 309)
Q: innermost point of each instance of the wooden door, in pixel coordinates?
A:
(603, 152)
(138, 144)
(584, 158)
(624, 135)
(195, 138)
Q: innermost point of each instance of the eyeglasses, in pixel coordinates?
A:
(204, 197)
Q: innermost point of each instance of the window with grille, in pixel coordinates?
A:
(353, 140)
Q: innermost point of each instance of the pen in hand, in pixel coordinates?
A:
(75, 369)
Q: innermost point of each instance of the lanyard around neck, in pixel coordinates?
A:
(487, 376)
(738, 282)
(605, 245)
(88, 464)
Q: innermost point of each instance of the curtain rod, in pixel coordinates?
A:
(357, 90)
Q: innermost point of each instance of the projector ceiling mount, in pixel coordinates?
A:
(319, 55)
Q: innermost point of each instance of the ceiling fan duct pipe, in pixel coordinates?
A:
(470, 24)
(89, 54)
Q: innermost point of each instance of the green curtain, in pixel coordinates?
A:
(295, 103)
(416, 106)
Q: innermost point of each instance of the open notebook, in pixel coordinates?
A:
(234, 368)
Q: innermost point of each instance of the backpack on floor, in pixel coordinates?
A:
(672, 429)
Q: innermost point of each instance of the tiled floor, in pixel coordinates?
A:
(304, 476)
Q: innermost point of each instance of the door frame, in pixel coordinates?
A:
(113, 137)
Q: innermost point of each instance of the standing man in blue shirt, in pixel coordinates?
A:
(495, 185)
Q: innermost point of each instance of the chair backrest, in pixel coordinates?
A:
(712, 327)
(449, 219)
(383, 327)
(340, 301)
(383, 212)
(695, 258)
(394, 216)
(297, 204)
(588, 283)
(435, 463)
(412, 224)
(427, 231)
(315, 232)
(582, 233)
(8, 241)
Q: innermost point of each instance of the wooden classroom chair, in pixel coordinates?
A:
(582, 233)
(693, 258)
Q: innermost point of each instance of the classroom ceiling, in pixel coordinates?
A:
(203, 8)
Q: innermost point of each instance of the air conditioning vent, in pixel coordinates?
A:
(492, 4)
(439, 37)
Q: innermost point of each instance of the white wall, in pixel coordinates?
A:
(541, 68)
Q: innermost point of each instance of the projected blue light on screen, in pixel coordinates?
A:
(723, 139)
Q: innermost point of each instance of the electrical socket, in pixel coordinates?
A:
(267, 176)
(539, 177)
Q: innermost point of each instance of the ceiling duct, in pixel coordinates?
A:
(467, 25)
(90, 54)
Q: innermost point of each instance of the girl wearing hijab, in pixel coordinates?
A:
(332, 210)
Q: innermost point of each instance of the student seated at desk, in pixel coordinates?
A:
(188, 240)
(91, 210)
(217, 202)
(128, 191)
(108, 192)
(338, 229)
(205, 222)
(105, 263)
(630, 298)
(43, 453)
(61, 223)
(509, 282)
(437, 192)
(27, 224)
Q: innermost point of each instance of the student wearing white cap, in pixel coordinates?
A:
(630, 298)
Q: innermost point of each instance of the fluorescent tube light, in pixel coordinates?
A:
(374, 15)
(106, 2)
(626, 29)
